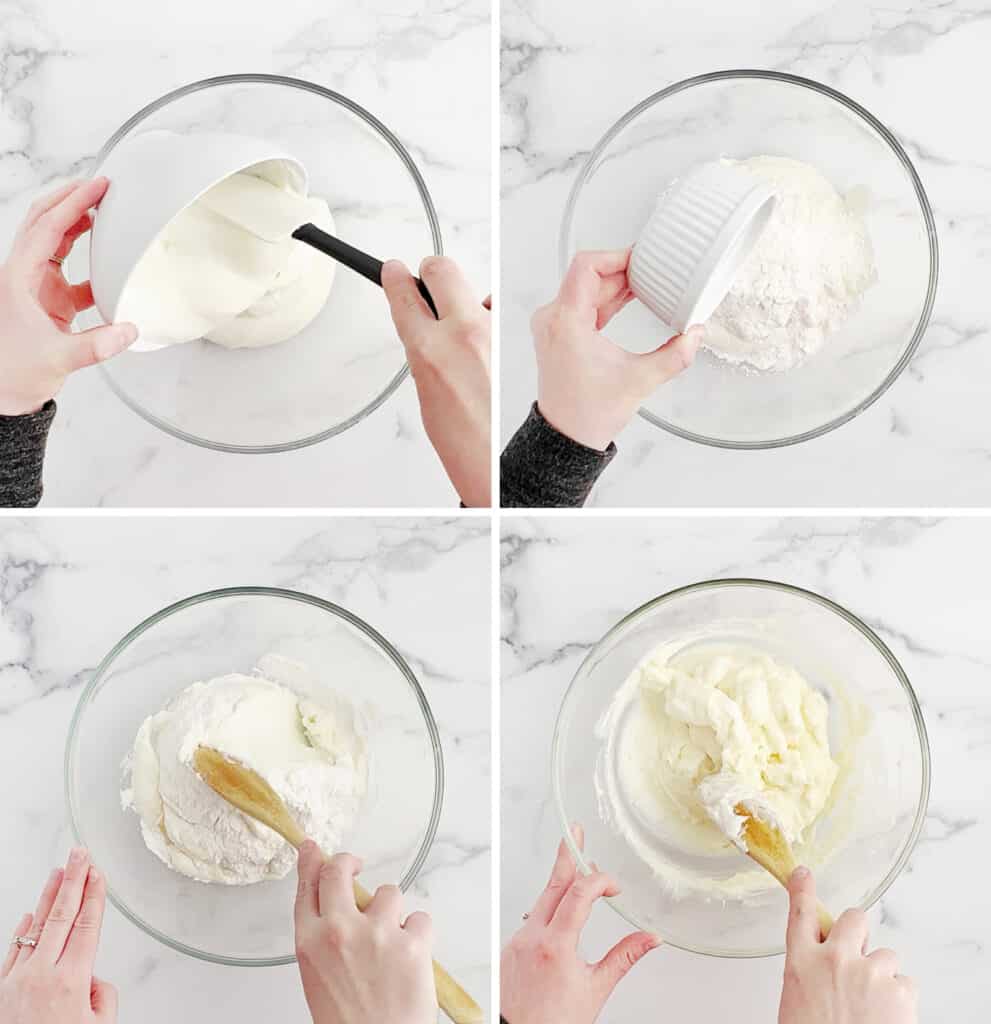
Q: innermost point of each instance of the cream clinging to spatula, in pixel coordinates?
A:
(764, 844)
(745, 819)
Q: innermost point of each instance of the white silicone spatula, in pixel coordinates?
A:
(273, 215)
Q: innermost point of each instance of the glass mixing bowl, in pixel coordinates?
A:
(749, 113)
(348, 361)
(210, 635)
(860, 842)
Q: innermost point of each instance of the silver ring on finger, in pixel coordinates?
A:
(20, 941)
(57, 260)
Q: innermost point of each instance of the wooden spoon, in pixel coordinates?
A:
(252, 795)
(769, 848)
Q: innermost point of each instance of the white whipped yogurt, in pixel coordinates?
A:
(312, 754)
(206, 276)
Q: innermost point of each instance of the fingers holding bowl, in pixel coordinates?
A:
(84, 937)
(45, 903)
(562, 876)
(22, 929)
(44, 237)
(68, 901)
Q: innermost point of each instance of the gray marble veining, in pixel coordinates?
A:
(68, 79)
(917, 582)
(70, 588)
(568, 74)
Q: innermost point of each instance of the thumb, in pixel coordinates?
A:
(675, 355)
(103, 999)
(803, 921)
(99, 344)
(616, 964)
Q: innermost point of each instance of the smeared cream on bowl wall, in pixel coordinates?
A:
(697, 729)
(205, 276)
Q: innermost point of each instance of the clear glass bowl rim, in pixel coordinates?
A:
(630, 620)
(414, 173)
(249, 591)
(900, 154)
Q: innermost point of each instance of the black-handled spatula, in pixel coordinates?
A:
(272, 214)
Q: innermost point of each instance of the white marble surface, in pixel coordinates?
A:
(70, 588)
(565, 582)
(568, 74)
(71, 77)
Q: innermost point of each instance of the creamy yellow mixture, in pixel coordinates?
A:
(722, 726)
(695, 731)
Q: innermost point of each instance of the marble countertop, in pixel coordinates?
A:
(69, 589)
(567, 75)
(70, 79)
(565, 582)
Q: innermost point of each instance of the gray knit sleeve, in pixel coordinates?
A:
(22, 455)
(542, 468)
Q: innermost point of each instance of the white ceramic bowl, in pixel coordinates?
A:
(701, 231)
(739, 114)
(154, 176)
(344, 364)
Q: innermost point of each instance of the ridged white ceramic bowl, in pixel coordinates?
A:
(741, 114)
(700, 232)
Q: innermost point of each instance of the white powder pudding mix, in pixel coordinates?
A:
(804, 278)
(312, 753)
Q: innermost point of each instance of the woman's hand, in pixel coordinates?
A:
(838, 981)
(360, 967)
(543, 979)
(37, 305)
(53, 982)
(589, 388)
(449, 358)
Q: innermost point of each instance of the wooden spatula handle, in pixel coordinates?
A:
(767, 847)
(451, 997)
(252, 795)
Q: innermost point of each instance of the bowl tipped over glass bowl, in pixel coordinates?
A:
(348, 360)
(211, 635)
(859, 843)
(741, 114)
